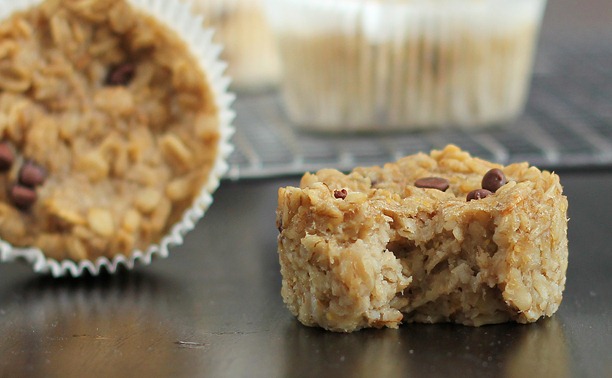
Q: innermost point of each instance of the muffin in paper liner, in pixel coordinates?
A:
(166, 185)
(248, 43)
(376, 65)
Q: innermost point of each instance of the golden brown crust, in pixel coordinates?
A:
(391, 252)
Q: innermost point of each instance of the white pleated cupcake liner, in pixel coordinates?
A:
(179, 18)
(365, 65)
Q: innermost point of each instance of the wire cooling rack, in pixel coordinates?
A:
(567, 124)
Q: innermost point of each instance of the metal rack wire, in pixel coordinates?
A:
(567, 124)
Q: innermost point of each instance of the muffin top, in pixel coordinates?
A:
(108, 127)
(445, 180)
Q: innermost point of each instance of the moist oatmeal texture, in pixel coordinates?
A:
(108, 129)
(431, 238)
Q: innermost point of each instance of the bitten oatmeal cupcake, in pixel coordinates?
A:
(363, 65)
(114, 128)
(443, 237)
(249, 46)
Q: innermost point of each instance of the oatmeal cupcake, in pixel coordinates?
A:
(249, 47)
(114, 125)
(405, 64)
(431, 238)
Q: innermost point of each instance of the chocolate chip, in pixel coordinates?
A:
(32, 174)
(22, 196)
(493, 180)
(6, 157)
(340, 194)
(478, 194)
(121, 74)
(432, 183)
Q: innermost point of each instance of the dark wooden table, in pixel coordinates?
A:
(213, 308)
